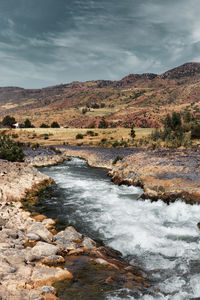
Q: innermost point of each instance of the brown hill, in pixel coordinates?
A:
(140, 99)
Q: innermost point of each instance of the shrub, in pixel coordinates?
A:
(8, 121)
(79, 136)
(90, 132)
(195, 132)
(132, 134)
(116, 144)
(10, 150)
(55, 125)
(103, 123)
(27, 124)
(84, 110)
(104, 140)
(43, 125)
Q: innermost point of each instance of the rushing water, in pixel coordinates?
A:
(161, 239)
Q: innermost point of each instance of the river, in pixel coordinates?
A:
(163, 240)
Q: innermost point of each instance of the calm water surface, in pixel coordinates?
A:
(161, 239)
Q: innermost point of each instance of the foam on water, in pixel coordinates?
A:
(161, 239)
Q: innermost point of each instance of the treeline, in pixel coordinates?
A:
(178, 130)
(9, 121)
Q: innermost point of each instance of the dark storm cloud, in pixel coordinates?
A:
(44, 42)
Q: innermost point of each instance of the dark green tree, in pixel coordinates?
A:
(27, 124)
(8, 121)
(55, 125)
(176, 121)
(168, 121)
(132, 134)
(103, 123)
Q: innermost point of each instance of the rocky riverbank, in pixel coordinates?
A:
(34, 256)
(163, 174)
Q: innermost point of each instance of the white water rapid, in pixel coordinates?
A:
(163, 240)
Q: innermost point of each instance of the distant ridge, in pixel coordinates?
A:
(142, 99)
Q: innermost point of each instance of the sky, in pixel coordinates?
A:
(49, 42)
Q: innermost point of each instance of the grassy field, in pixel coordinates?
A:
(92, 137)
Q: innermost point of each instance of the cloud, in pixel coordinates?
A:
(47, 44)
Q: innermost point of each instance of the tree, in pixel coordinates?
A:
(168, 122)
(176, 120)
(103, 123)
(8, 121)
(132, 132)
(55, 125)
(27, 124)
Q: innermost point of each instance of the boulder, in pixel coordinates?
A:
(68, 239)
(38, 229)
(42, 250)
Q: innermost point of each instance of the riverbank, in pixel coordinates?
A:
(33, 255)
(163, 174)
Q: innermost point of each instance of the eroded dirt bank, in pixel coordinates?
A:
(163, 174)
(34, 256)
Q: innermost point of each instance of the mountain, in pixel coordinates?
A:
(139, 99)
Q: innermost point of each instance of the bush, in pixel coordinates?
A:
(8, 121)
(132, 134)
(103, 123)
(79, 136)
(27, 124)
(195, 132)
(90, 132)
(10, 150)
(43, 125)
(104, 140)
(116, 144)
(55, 125)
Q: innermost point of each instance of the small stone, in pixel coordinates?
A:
(53, 259)
(47, 289)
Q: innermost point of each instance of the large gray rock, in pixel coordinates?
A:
(68, 239)
(69, 233)
(42, 250)
(38, 229)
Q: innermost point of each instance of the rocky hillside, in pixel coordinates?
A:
(139, 99)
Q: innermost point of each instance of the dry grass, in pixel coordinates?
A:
(60, 136)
